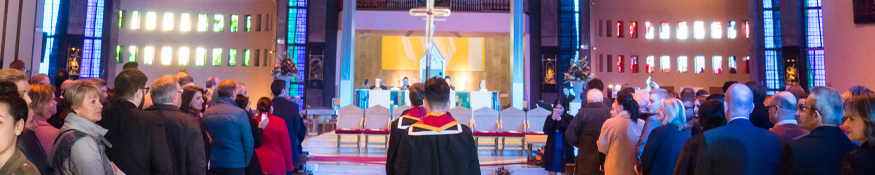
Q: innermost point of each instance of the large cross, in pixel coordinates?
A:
(429, 12)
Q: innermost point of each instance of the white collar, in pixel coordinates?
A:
(788, 121)
(746, 118)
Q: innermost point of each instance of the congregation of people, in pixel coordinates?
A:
(81, 127)
(741, 131)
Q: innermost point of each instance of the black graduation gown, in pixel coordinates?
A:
(398, 127)
(437, 144)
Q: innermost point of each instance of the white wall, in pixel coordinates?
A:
(847, 47)
(672, 11)
(257, 79)
(22, 30)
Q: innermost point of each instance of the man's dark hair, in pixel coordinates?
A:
(17, 64)
(595, 83)
(437, 91)
(277, 86)
(716, 97)
(417, 93)
(759, 91)
(701, 92)
(688, 95)
(131, 65)
(711, 115)
(727, 84)
(241, 101)
(17, 106)
(128, 82)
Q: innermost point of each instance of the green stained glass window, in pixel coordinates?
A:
(219, 23)
(246, 57)
(232, 57)
(234, 21)
(217, 56)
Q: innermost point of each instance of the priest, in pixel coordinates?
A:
(399, 126)
(437, 143)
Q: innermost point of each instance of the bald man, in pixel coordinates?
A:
(821, 151)
(782, 112)
(738, 147)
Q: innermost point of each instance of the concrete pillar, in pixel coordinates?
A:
(517, 49)
(347, 53)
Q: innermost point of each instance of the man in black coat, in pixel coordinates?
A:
(139, 140)
(584, 131)
(760, 115)
(184, 136)
(739, 147)
(821, 151)
(288, 111)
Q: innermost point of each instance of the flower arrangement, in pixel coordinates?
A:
(501, 171)
(579, 70)
(285, 69)
(537, 156)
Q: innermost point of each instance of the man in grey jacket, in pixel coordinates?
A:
(184, 136)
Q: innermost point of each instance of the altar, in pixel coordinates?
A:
(392, 99)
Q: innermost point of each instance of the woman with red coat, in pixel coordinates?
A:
(275, 153)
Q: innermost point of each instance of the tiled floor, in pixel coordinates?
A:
(326, 145)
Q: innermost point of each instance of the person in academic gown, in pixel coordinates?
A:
(437, 143)
(400, 125)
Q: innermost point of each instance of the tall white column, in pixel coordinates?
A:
(517, 49)
(347, 53)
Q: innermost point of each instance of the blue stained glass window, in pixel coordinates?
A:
(773, 70)
(814, 39)
(91, 51)
(817, 76)
(814, 27)
(296, 40)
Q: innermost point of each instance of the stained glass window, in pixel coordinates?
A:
(650, 63)
(121, 18)
(665, 31)
(184, 53)
(93, 43)
(135, 20)
(733, 65)
(620, 63)
(217, 56)
(167, 23)
(200, 56)
(151, 20)
(620, 29)
(148, 55)
(609, 28)
(665, 63)
(202, 21)
(633, 29)
(246, 55)
(119, 52)
(166, 55)
(731, 33)
(232, 57)
(132, 51)
(683, 30)
(634, 60)
(610, 63)
(699, 30)
(219, 23)
(683, 62)
(648, 30)
(717, 64)
(234, 21)
(700, 64)
(716, 30)
(185, 22)
(814, 42)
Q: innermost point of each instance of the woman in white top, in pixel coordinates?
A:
(620, 134)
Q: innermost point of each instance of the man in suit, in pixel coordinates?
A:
(782, 112)
(183, 131)
(584, 131)
(821, 151)
(738, 147)
(288, 111)
(651, 121)
(138, 138)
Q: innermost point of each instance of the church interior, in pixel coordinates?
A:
(349, 65)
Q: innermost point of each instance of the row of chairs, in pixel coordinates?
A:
(484, 122)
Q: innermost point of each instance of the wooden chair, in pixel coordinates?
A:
(486, 124)
(513, 125)
(349, 122)
(462, 115)
(377, 120)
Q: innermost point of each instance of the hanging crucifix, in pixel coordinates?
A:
(429, 12)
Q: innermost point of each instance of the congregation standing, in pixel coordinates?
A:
(82, 127)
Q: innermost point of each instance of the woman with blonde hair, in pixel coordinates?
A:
(43, 106)
(80, 147)
(666, 141)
